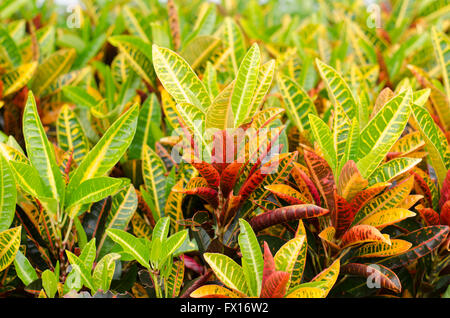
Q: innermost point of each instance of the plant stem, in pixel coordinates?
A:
(69, 229)
(154, 277)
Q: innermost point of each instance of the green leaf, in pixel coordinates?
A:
(341, 130)
(351, 147)
(198, 51)
(383, 131)
(138, 54)
(155, 252)
(227, 271)
(123, 206)
(441, 44)
(88, 254)
(175, 279)
(297, 102)
(70, 134)
(50, 283)
(220, 114)
(73, 281)
(153, 173)
(8, 195)
(80, 96)
(136, 23)
(10, 52)
(147, 131)
(104, 272)
(131, 245)
(28, 179)
(338, 90)
(245, 85)
(233, 41)
(104, 73)
(161, 229)
(323, 136)
(205, 22)
(435, 142)
(93, 190)
(51, 68)
(9, 245)
(263, 84)
(210, 80)
(252, 259)
(195, 120)
(391, 169)
(299, 266)
(17, 78)
(172, 244)
(82, 269)
(287, 256)
(179, 79)
(81, 233)
(24, 269)
(107, 152)
(40, 151)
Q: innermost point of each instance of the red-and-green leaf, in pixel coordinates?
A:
(424, 241)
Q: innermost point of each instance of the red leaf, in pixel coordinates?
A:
(360, 233)
(365, 195)
(299, 173)
(251, 184)
(228, 178)
(286, 214)
(262, 150)
(207, 194)
(422, 188)
(445, 213)
(269, 263)
(191, 263)
(229, 209)
(445, 191)
(276, 285)
(430, 216)
(206, 170)
(345, 215)
(218, 153)
(323, 177)
(384, 276)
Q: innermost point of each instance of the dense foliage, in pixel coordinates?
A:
(193, 149)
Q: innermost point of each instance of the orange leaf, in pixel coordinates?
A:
(287, 193)
(361, 234)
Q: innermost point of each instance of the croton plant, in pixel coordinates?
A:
(283, 149)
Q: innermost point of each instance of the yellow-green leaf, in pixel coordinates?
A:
(9, 245)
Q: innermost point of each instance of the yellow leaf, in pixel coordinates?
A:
(387, 217)
(307, 292)
(214, 291)
(380, 249)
